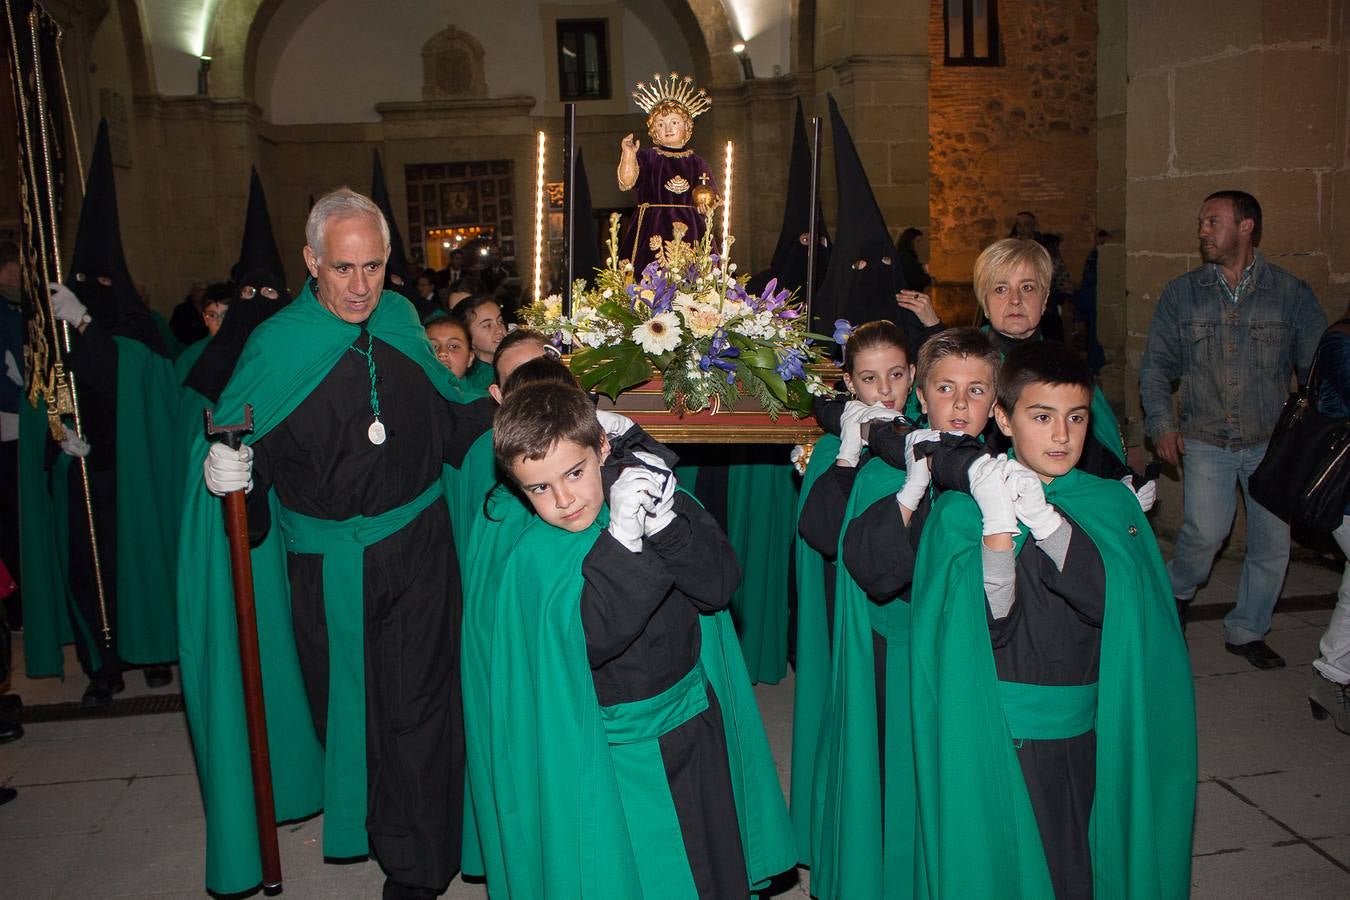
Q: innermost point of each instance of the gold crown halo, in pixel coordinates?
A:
(674, 89)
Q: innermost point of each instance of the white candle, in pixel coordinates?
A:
(726, 214)
(539, 222)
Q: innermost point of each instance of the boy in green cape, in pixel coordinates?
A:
(1054, 721)
(628, 756)
(863, 838)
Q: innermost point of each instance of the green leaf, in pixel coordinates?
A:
(799, 399)
(613, 369)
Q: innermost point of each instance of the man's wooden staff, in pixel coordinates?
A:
(250, 667)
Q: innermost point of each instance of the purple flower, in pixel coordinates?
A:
(842, 329)
(720, 355)
(655, 291)
(791, 364)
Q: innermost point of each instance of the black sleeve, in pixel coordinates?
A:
(698, 556)
(259, 514)
(622, 591)
(1082, 583)
(1100, 461)
(823, 511)
(93, 357)
(887, 442)
(877, 551)
(468, 422)
(635, 439)
(828, 411)
(1001, 630)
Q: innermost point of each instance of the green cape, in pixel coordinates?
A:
(863, 842)
(283, 362)
(761, 501)
(475, 382)
(978, 835)
(559, 806)
(147, 521)
(812, 670)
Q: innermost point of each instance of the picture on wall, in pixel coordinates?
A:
(459, 203)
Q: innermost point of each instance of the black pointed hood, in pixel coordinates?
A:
(398, 275)
(864, 275)
(98, 272)
(259, 290)
(586, 257)
(789, 257)
(258, 250)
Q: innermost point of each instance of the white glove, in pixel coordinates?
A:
(1146, 495)
(65, 305)
(74, 445)
(917, 474)
(989, 489)
(613, 423)
(850, 428)
(664, 512)
(227, 471)
(1028, 492)
(635, 494)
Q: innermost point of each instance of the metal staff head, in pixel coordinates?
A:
(231, 435)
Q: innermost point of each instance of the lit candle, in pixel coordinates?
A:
(539, 223)
(726, 214)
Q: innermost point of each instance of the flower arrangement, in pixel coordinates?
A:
(689, 318)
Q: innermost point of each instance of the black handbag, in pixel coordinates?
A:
(1304, 477)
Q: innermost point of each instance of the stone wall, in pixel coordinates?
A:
(1021, 135)
(1254, 99)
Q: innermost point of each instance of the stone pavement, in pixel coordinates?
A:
(110, 808)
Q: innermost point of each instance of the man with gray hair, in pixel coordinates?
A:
(353, 421)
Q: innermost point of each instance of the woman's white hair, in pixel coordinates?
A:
(343, 203)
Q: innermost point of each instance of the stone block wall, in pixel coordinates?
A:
(1253, 97)
(1021, 135)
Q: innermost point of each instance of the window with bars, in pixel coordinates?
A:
(583, 59)
(971, 28)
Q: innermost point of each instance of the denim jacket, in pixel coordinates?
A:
(1233, 361)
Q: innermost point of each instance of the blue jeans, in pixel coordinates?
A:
(1211, 476)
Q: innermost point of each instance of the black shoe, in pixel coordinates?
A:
(10, 731)
(7, 794)
(158, 676)
(101, 690)
(1258, 653)
(10, 702)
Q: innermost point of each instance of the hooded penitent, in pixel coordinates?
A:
(398, 274)
(586, 257)
(98, 271)
(863, 278)
(789, 256)
(259, 290)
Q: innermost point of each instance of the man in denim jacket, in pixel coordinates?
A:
(1232, 332)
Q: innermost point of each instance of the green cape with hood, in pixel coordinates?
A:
(284, 360)
(584, 806)
(862, 838)
(978, 834)
(146, 522)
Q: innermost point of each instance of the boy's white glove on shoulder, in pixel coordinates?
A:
(1032, 508)
(917, 474)
(989, 489)
(851, 420)
(1147, 494)
(635, 494)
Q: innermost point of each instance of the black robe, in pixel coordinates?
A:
(322, 464)
(640, 615)
(1052, 635)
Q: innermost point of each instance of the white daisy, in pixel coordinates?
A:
(659, 334)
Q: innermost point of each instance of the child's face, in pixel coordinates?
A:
(959, 394)
(486, 330)
(1048, 426)
(451, 346)
(881, 375)
(564, 487)
(511, 359)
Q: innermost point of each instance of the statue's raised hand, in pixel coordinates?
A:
(629, 143)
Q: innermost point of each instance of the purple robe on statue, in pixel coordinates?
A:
(665, 185)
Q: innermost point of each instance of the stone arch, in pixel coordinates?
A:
(452, 66)
(139, 60)
(240, 24)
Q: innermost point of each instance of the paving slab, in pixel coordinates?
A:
(1225, 823)
(1262, 873)
(1314, 802)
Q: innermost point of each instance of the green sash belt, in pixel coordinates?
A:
(342, 545)
(633, 730)
(1043, 712)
